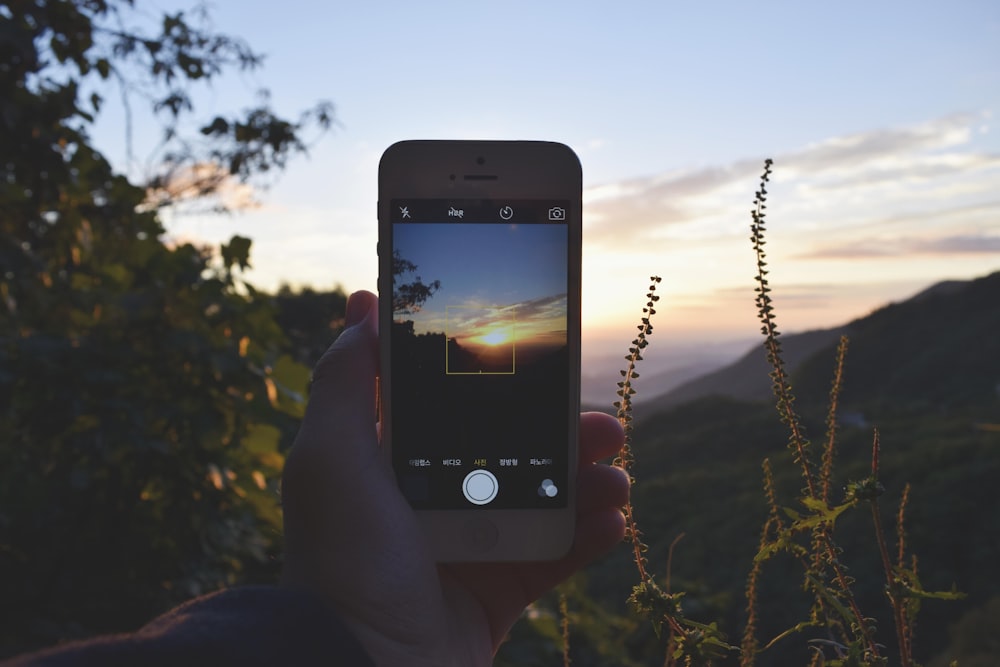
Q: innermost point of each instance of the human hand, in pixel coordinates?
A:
(351, 536)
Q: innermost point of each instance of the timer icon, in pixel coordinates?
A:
(506, 212)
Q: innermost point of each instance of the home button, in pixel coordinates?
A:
(480, 535)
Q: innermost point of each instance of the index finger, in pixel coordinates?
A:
(601, 436)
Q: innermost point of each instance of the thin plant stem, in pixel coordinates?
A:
(785, 403)
(564, 614)
(892, 583)
(908, 621)
(625, 459)
(829, 451)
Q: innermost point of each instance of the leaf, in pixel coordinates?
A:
(237, 251)
(272, 391)
(911, 584)
(820, 513)
(783, 542)
(798, 627)
(261, 439)
(821, 589)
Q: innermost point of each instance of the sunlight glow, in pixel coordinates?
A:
(495, 337)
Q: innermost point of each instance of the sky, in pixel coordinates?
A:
(489, 274)
(880, 117)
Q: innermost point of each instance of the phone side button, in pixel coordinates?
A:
(480, 535)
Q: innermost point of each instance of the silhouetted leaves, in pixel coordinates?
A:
(146, 392)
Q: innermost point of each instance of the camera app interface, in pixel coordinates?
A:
(480, 361)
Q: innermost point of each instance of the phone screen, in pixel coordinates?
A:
(481, 365)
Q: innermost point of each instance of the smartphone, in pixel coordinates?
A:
(479, 296)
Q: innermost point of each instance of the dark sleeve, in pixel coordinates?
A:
(252, 625)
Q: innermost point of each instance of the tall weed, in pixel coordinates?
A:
(840, 633)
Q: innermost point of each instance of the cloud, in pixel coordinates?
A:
(534, 310)
(866, 149)
(959, 245)
(205, 185)
(543, 308)
(962, 244)
(637, 209)
(936, 172)
(474, 314)
(808, 296)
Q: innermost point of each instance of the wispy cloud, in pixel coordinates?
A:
(880, 148)
(548, 312)
(963, 244)
(853, 194)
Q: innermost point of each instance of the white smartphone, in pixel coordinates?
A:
(479, 293)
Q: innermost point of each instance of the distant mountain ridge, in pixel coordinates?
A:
(747, 379)
(941, 344)
(926, 373)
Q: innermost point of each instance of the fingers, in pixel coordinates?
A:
(600, 487)
(601, 491)
(600, 525)
(601, 436)
(596, 534)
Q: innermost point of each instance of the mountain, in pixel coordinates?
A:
(598, 393)
(949, 332)
(936, 351)
(745, 379)
(926, 373)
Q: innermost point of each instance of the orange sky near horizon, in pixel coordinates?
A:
(499, 325)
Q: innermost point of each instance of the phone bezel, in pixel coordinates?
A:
(489, 170)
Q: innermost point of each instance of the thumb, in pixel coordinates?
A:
(358, 342)
(341, 413)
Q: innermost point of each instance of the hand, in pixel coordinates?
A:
(352, 537)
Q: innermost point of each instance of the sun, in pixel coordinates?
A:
(495, 337)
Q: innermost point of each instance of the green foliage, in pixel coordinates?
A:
(56, 48)
(310, 320)
(835, 606)
(146, 394)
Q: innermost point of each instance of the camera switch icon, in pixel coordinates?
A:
(548, 489)
(557, 213)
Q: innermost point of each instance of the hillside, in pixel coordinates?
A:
(925, 372)
(948, 331)
(936, 351)
(746, 378)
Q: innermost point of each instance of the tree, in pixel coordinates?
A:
(409, 298)
(311, 320)
(144, 396)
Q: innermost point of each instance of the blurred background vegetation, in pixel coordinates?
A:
(148, 392)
